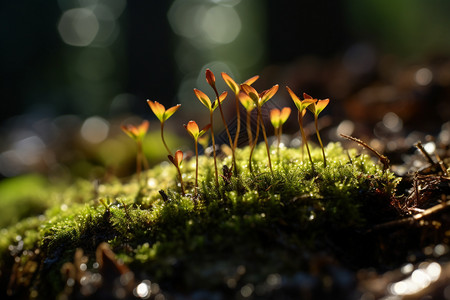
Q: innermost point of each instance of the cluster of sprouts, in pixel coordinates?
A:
(250, 99)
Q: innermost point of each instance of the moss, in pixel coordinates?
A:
(18, 203)
(266, 223)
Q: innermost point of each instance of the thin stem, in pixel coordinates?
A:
(278, 134)
(143, 159)
(265, 139)
(228, 132)
(181, 180)
(238, 126)
(320, 142)
(139, 159)
(162, 137)
(304, 139)
(249, 130)
(214, 148)
(255, 141)
(196, 169)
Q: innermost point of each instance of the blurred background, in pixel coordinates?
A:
(73, 71)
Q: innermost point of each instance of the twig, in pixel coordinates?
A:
(424, 153)
(430, 211)
(383, 159)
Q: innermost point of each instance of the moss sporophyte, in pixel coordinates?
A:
(204, 99)
(162, 114)
(302, 106)
(316, 108)
(249, 105)
(236, 90)
(278, 118)
(193, 130)
(138, 134)
(259, 100)
(211, 79)
(176, 161)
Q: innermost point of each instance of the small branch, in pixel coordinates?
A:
(410, 220)
(383, 159)
(424, 153)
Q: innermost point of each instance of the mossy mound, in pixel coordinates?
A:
(240, 239)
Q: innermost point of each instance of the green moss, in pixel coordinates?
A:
(266, 223)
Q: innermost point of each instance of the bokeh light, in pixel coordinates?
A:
(423, 76)
(221, 24)
(78, 27)
(95, 130)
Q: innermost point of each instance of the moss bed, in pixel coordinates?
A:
(294, 234)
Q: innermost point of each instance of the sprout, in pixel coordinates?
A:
(259, 100)
(278, 118)
(192, 129)
(236, 90)
(249, 105)
(301, 106)
(162, 114)
(211, 79)
(138, 134)
(316, 108)
(176, 161)
(204, 99)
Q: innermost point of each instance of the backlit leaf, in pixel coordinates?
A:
(301, 105)
(170, 111)
(284, 115)
(204, 99)
(204, 129)
(222, 97)
(231, 83)
(268, 94)
(246, 101)
(178, 157)
(192, 129)
(275, 117)
(251, 92)
(158, 109)
(251, 80)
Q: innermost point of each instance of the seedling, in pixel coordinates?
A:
(138, 134)
(192, 129)
(162, 114)
(211, 79)
(301, 106)
(259, 100)
(278, 118)
(236, 90)
(176, 161)
(316, 108)
(249, 105)
(204, 99)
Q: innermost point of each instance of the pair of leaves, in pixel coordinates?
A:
(194, 131)
(278, 118)
(160, 111)
(234, 86)
(246, 101)
(137, 133)
(204, 99)
(177, 158)
(314, 105)
(261, 98)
